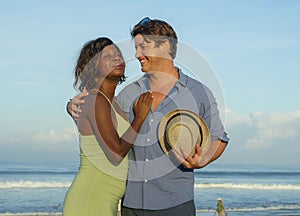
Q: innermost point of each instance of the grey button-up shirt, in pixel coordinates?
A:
(156, 181)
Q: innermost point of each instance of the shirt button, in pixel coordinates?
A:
(148, 139)
(147, 159)
(146, 180)
(151, 120)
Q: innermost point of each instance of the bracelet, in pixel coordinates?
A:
(70, 101)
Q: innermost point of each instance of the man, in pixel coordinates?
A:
(157, 184)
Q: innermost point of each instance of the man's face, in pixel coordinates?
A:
(148, 54)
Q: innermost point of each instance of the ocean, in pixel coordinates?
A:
(27, 189)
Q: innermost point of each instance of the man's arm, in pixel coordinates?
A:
(73, 106)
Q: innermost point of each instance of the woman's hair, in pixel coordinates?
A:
(158, 31)
(86, 73)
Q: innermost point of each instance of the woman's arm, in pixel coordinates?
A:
(103, 122)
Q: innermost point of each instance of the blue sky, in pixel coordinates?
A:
(252, 47)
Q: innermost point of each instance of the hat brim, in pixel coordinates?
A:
(187, 134)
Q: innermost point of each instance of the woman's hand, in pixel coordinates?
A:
(143, 105)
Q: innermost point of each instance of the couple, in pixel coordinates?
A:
(156, 184)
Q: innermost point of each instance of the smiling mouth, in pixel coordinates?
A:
(142, 61)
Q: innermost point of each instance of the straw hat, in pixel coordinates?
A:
(183, 128)
(219, 199)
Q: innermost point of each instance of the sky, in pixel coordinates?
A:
(252, 47)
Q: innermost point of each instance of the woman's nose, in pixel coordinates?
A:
(118, 58)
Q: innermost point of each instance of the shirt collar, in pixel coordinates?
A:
(143, 82)
(182, 78)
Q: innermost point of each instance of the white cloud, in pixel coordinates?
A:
(50, 145)
(274, 127)
(257, 137)
(234, 118)
(264, 136)
(55, 139)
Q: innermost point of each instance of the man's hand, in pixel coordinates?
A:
(198, 160)
(74, 104)
(191, 161)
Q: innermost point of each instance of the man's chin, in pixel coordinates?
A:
(143, 69)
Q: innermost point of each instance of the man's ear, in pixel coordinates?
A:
(166, 48)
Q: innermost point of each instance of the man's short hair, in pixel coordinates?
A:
(158, 31)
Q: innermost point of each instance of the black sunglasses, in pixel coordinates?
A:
(144, 21)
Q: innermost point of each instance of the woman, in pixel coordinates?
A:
(220, 208)
(105, 133)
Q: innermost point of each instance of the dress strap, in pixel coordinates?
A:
(121, 118)
(98, 91)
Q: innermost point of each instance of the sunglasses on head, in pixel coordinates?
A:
(144, 21)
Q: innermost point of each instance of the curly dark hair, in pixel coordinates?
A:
(86, 73)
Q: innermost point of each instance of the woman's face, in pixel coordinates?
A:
(111, 62)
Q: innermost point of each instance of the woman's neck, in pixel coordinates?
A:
(108, 87)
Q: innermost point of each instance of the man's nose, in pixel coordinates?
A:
(138, 53)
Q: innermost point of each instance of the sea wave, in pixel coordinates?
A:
(247, 173)
(250, 186)
(33, 184)
(66, 184)
(257, 209)
(32, 214)
(36, 172)
(269, 208)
